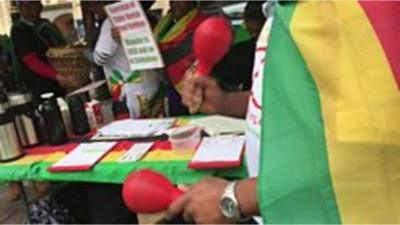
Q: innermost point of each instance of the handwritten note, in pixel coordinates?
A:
(137, 38)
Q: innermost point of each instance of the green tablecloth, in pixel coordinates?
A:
(34, 165)
(176, 171)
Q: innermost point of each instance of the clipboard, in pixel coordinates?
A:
(83, 158)
(218, 152)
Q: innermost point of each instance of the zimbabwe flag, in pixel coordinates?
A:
(331, 114)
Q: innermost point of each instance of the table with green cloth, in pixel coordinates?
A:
(33, 166)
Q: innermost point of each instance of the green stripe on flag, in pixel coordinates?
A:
(294, 183)
(116, 77)
(134, 77)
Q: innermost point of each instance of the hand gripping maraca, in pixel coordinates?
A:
(211, 42)
(146, 191)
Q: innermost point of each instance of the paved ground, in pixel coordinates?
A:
(12, 212)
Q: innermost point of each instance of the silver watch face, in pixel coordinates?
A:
(229, 207)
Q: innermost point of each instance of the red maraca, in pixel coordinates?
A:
(146, 191)
(211, 41)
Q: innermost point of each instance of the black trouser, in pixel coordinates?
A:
(95, 203)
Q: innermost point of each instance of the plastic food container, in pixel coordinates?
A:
(184, 139)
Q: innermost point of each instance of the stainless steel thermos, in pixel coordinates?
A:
(26, 118)
(9, 145)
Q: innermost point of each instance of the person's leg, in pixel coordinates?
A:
(106, 205)
(73, 196)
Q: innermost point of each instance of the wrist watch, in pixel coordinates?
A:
(228, 204)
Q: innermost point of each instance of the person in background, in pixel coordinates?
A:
(7, 85)
(233, 72)
(139, 88)
(119, 107)
(65, 23)
(100, 15)
(174, 33)
(146, 5)
(32, 36)
(6, 81)
(254, 18)
(239, 104)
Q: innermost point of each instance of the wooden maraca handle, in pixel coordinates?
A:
(195, 105)
(197, 102)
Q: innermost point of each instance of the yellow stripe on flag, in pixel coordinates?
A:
(54, 157)
(162, 155)
(113, 156)
(26, 160)
(360, 104)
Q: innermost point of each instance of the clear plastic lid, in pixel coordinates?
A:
(47, 95)
(185, 138)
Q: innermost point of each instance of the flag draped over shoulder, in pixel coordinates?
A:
(331, 114)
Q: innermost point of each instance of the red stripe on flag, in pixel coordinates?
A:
(385, 19)
(47, 149)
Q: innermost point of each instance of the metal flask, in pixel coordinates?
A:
(54, 125)
(26, 118)
(10, 148)
(79, 118)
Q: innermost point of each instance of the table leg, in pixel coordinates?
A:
(24, 198)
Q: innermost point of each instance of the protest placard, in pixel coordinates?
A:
(136, 35)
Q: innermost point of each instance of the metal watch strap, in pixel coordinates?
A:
(231, 187)
(229, 192)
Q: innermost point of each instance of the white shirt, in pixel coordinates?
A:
(112, 56)
(253, 119)
(108, 52)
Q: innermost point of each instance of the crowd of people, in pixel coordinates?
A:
(249, 80)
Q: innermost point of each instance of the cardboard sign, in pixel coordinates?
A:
(136, 35)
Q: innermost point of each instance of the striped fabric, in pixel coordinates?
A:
(175, 42)
(331, 122)
(161, 158)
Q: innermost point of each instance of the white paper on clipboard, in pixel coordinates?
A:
(218, 152)
(83, 157)
(130, 128)
(220, 125)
